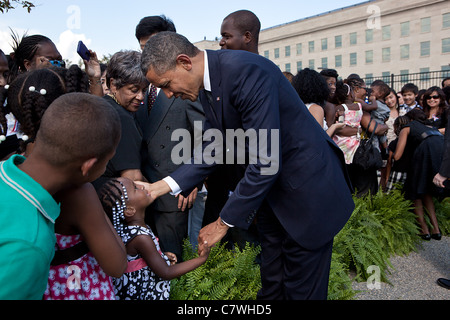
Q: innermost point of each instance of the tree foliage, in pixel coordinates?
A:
(6, 5)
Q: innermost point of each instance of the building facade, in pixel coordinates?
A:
(374, 39)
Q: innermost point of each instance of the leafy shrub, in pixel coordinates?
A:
(382, 225)
(340, 284)
(226, 275)
(443, 215)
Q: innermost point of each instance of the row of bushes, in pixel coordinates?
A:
(381, 226)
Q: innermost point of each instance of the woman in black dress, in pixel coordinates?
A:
(127, 85)
(428, 143)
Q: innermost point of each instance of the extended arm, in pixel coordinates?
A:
(145, 246)
(401, 145)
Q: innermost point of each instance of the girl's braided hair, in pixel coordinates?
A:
(113, 196)
(31, 93)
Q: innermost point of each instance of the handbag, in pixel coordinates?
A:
(367, 156)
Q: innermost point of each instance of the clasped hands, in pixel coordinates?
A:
(211, 234)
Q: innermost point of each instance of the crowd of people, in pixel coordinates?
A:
(410, 133)
(80, 147)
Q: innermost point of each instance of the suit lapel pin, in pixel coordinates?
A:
(218, 98)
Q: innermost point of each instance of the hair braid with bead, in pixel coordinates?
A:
(113, 199)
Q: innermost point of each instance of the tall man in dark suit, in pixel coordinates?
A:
(296, 186)
(160, 117)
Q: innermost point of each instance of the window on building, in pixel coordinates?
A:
(404, 76)
(311, 46)
(353, 38)
(386, 33)
(404, 29)
(424, 74)
(287, 67)
(266, 54)
(353, 59)
(425, 48)
(338, 61)
(299, 65)
(446, 20)
(404, 51)
(299, 49)
(324, 63)
(369, 56)
(386, 54)
(369, 35)
(425, 24)
(311, 64)
(287, 51)
(338, 41)
(276, 53)
(386, 76)
(369, 78)
(324, 44)
(446, 45)
(445, 71)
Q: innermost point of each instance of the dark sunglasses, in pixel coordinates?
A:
(58, 63)
(434, 97)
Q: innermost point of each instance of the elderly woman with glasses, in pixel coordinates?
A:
(127, 85)
(435, 108)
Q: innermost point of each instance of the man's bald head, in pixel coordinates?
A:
(240, 31)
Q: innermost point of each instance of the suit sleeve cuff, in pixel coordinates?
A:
(173, 186)
(229, 225)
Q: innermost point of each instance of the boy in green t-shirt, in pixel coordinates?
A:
(78, 135)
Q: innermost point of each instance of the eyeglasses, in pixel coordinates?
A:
(434, 97)
(58, 63)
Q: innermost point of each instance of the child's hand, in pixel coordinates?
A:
(172, 257)
(338, 125)
(204, 250)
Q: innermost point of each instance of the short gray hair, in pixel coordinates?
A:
(125, 68)
(162, 49)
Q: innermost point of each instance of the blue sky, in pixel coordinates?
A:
(108, 26)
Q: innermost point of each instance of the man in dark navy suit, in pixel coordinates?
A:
(297, 186)
(158, 119)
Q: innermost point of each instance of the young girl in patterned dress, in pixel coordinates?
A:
(149, 270)
(348, 138)
(348, 142)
